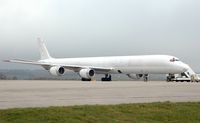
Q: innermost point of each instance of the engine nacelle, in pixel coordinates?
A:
(57, 70)
(135, 76)
(87, 73)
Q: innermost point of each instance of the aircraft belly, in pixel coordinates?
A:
(145, 70)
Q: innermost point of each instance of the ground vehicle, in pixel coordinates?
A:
(188, 76)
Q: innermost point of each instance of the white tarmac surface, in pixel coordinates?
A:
(19, 94)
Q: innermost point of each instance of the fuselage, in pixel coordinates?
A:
(144, 64)
(87, 67)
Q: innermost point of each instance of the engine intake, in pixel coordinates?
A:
(87, 73)
(57, 70)
(135, 76)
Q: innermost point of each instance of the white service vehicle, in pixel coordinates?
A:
(188, 76)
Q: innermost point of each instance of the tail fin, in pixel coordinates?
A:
(44, 54)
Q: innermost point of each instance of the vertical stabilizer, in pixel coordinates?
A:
(44, 54)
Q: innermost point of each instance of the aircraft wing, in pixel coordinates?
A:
(23, 61)
(97, 69)
(75, 68)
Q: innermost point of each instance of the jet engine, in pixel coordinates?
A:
(87, 73)
(135, 76)
(57, 70)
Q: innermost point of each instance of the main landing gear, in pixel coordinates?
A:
(107, 78)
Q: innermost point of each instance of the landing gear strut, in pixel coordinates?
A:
(145, 77)
(170, 77)
(107, 78)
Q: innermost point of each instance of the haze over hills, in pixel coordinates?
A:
(91, 28)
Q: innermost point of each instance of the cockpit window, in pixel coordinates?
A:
(174, 59)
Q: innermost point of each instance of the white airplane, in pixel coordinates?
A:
(134, 67)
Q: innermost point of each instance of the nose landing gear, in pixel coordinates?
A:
(170, 77)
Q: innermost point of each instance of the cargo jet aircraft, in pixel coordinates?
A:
(134, 67)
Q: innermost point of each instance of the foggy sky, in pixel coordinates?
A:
(82, 28)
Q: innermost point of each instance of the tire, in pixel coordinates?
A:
(109, 78)
(106, 79)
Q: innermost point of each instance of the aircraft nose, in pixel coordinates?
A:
(184, 67)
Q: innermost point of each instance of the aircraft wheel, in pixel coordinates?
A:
(168, 79)
(106, 78)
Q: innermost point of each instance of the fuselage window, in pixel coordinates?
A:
(174, 59)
